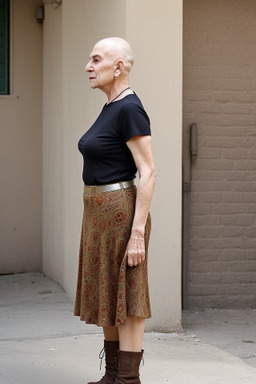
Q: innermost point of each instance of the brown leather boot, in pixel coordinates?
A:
(111, 356)
(128, 367)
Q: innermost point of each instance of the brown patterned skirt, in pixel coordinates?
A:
(108, 290)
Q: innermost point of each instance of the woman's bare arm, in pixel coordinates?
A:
(140, 147)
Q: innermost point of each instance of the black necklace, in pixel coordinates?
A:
(118, 95)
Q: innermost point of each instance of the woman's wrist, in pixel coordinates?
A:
(137, 233)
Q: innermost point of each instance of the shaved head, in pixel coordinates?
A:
(117, 48)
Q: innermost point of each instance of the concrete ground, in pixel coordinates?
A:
(41, 342)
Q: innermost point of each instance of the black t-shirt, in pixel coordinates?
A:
(107, 159)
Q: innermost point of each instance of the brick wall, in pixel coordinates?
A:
(220, 96)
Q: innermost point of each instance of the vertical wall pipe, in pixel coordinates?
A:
(187, 211)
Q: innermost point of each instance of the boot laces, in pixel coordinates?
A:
(101, 356)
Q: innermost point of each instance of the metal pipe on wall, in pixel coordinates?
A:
(191, 160)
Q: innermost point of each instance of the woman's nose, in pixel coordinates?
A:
(88, 67)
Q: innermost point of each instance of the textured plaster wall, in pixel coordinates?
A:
(20, 145)
(157, 79)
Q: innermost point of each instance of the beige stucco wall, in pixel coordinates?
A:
(157, 79)
(53, 146)
(70, 106)
(20, 145)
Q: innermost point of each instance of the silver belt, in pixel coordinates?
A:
(94, 189)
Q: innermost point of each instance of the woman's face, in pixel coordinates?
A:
(101, 68)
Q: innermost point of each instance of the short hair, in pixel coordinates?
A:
(121, 49)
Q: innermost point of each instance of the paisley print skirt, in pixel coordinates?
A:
(108, 290)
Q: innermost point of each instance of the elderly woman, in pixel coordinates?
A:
(112, 287)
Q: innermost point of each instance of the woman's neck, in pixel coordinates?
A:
(118, 92)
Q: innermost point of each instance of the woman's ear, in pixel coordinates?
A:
(119, 67)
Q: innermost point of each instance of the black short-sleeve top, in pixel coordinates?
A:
(107, 159)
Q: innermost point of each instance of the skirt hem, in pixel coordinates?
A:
(100, 324)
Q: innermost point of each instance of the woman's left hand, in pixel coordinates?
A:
(136, 250)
